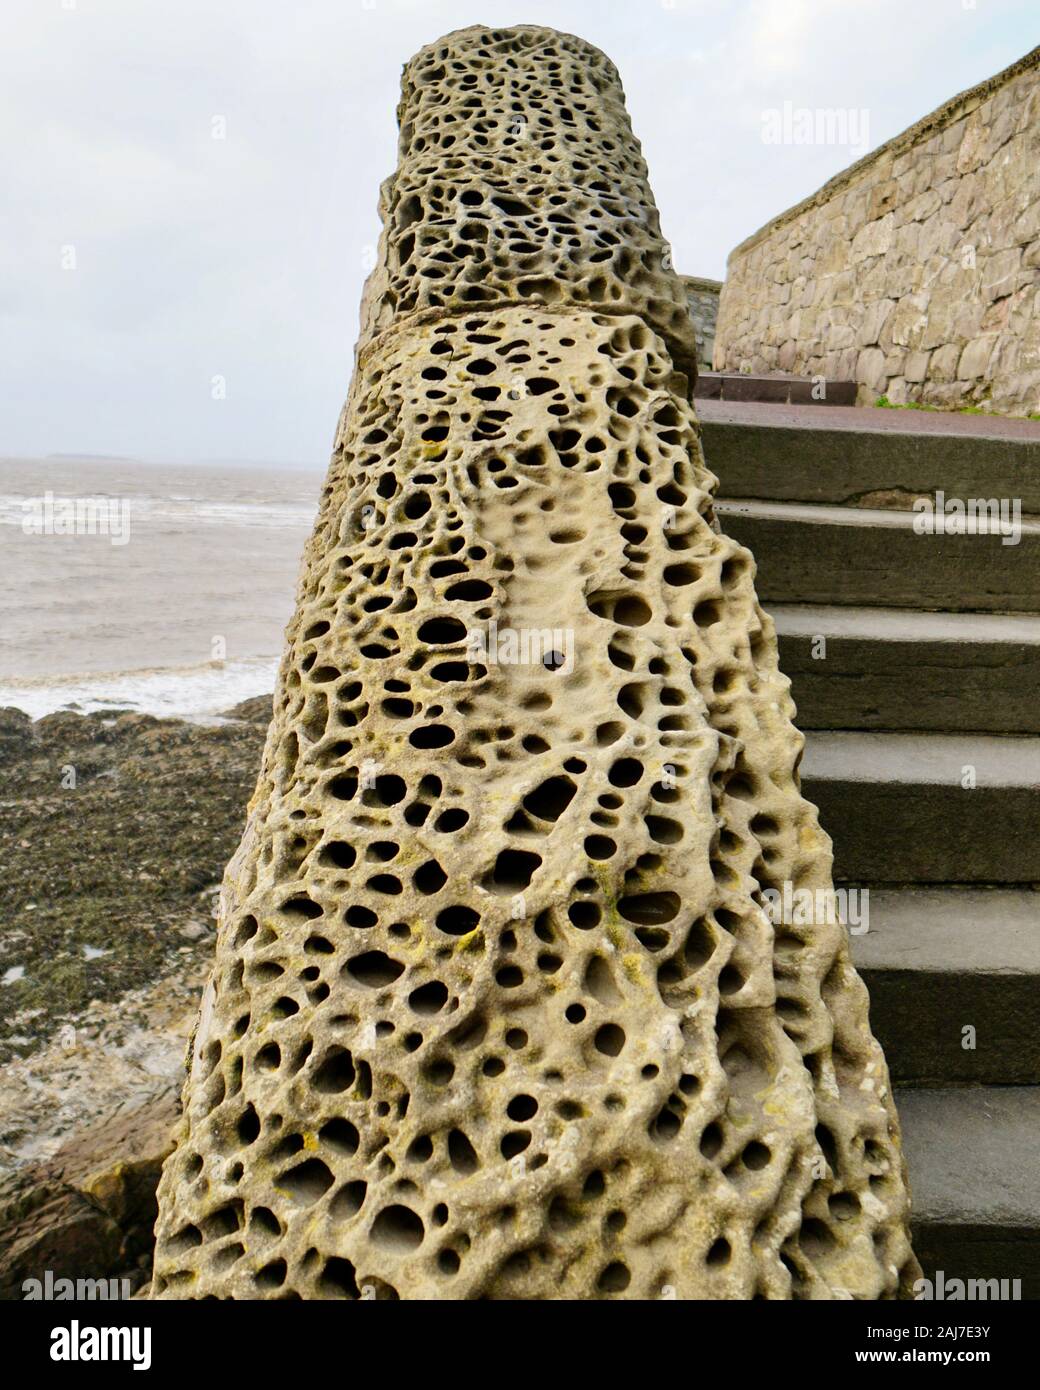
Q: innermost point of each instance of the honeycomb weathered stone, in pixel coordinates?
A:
(497, 1010)
(519, 179)
(458, 243)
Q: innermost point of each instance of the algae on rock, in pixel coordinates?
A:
(498, 1009)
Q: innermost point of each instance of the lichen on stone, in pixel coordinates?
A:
(497, 1009)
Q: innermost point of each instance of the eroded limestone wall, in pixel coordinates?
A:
(916, 272)
(496, 1009)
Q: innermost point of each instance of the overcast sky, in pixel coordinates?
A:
(140, 257)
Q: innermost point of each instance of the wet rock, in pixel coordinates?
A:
(88, 1212)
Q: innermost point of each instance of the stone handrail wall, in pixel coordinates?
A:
(916, 272)
(504, 1002)
(703, 298)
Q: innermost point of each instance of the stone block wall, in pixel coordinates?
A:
(703, 298)
(916, 272)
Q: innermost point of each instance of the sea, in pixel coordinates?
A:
(158, 587)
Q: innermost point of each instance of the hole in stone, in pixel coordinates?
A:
(610, 1039)
(340, 1135)
(432, 736)
(522, 1108)
(649, 909)
(358, 916)
(711, 1140)
(348, 1201)
(626, 772)
(335, 1072)
(720, 1253)
(306, 1182)
(397, 1228)
(263, 1222)
(513, 870)
(615, 1278)
(374, 969)
(584, 914)
(515, 1142)
(430, 998)
(755, 1155)
(441, 631)
(457, 920)
(248, 1125)
(551, 799)
(461, 1152)
(301, 906)
(272, 1276)
(429, 877)
(600, 847)
(338, 1279)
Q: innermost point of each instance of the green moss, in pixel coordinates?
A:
(473, 941)
(885, 404)
(633, 966)
(617, 935)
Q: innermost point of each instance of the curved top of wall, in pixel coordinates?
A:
(950, 111)
(699, 282)
(509, 41)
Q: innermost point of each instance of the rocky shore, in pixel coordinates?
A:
(114, 832)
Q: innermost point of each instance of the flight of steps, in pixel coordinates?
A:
(921, 707)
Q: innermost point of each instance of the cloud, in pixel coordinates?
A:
(245, 256)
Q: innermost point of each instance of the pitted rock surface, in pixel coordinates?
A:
(520, 180)
(497, 1010)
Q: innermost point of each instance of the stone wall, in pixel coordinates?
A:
(916, 272)
(703, 298)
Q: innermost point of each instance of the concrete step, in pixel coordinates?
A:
(874, 557)
(975, 1182)
(901, 808)
(893, 668)
(779, 387)
(865, 456)
(954, 980)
